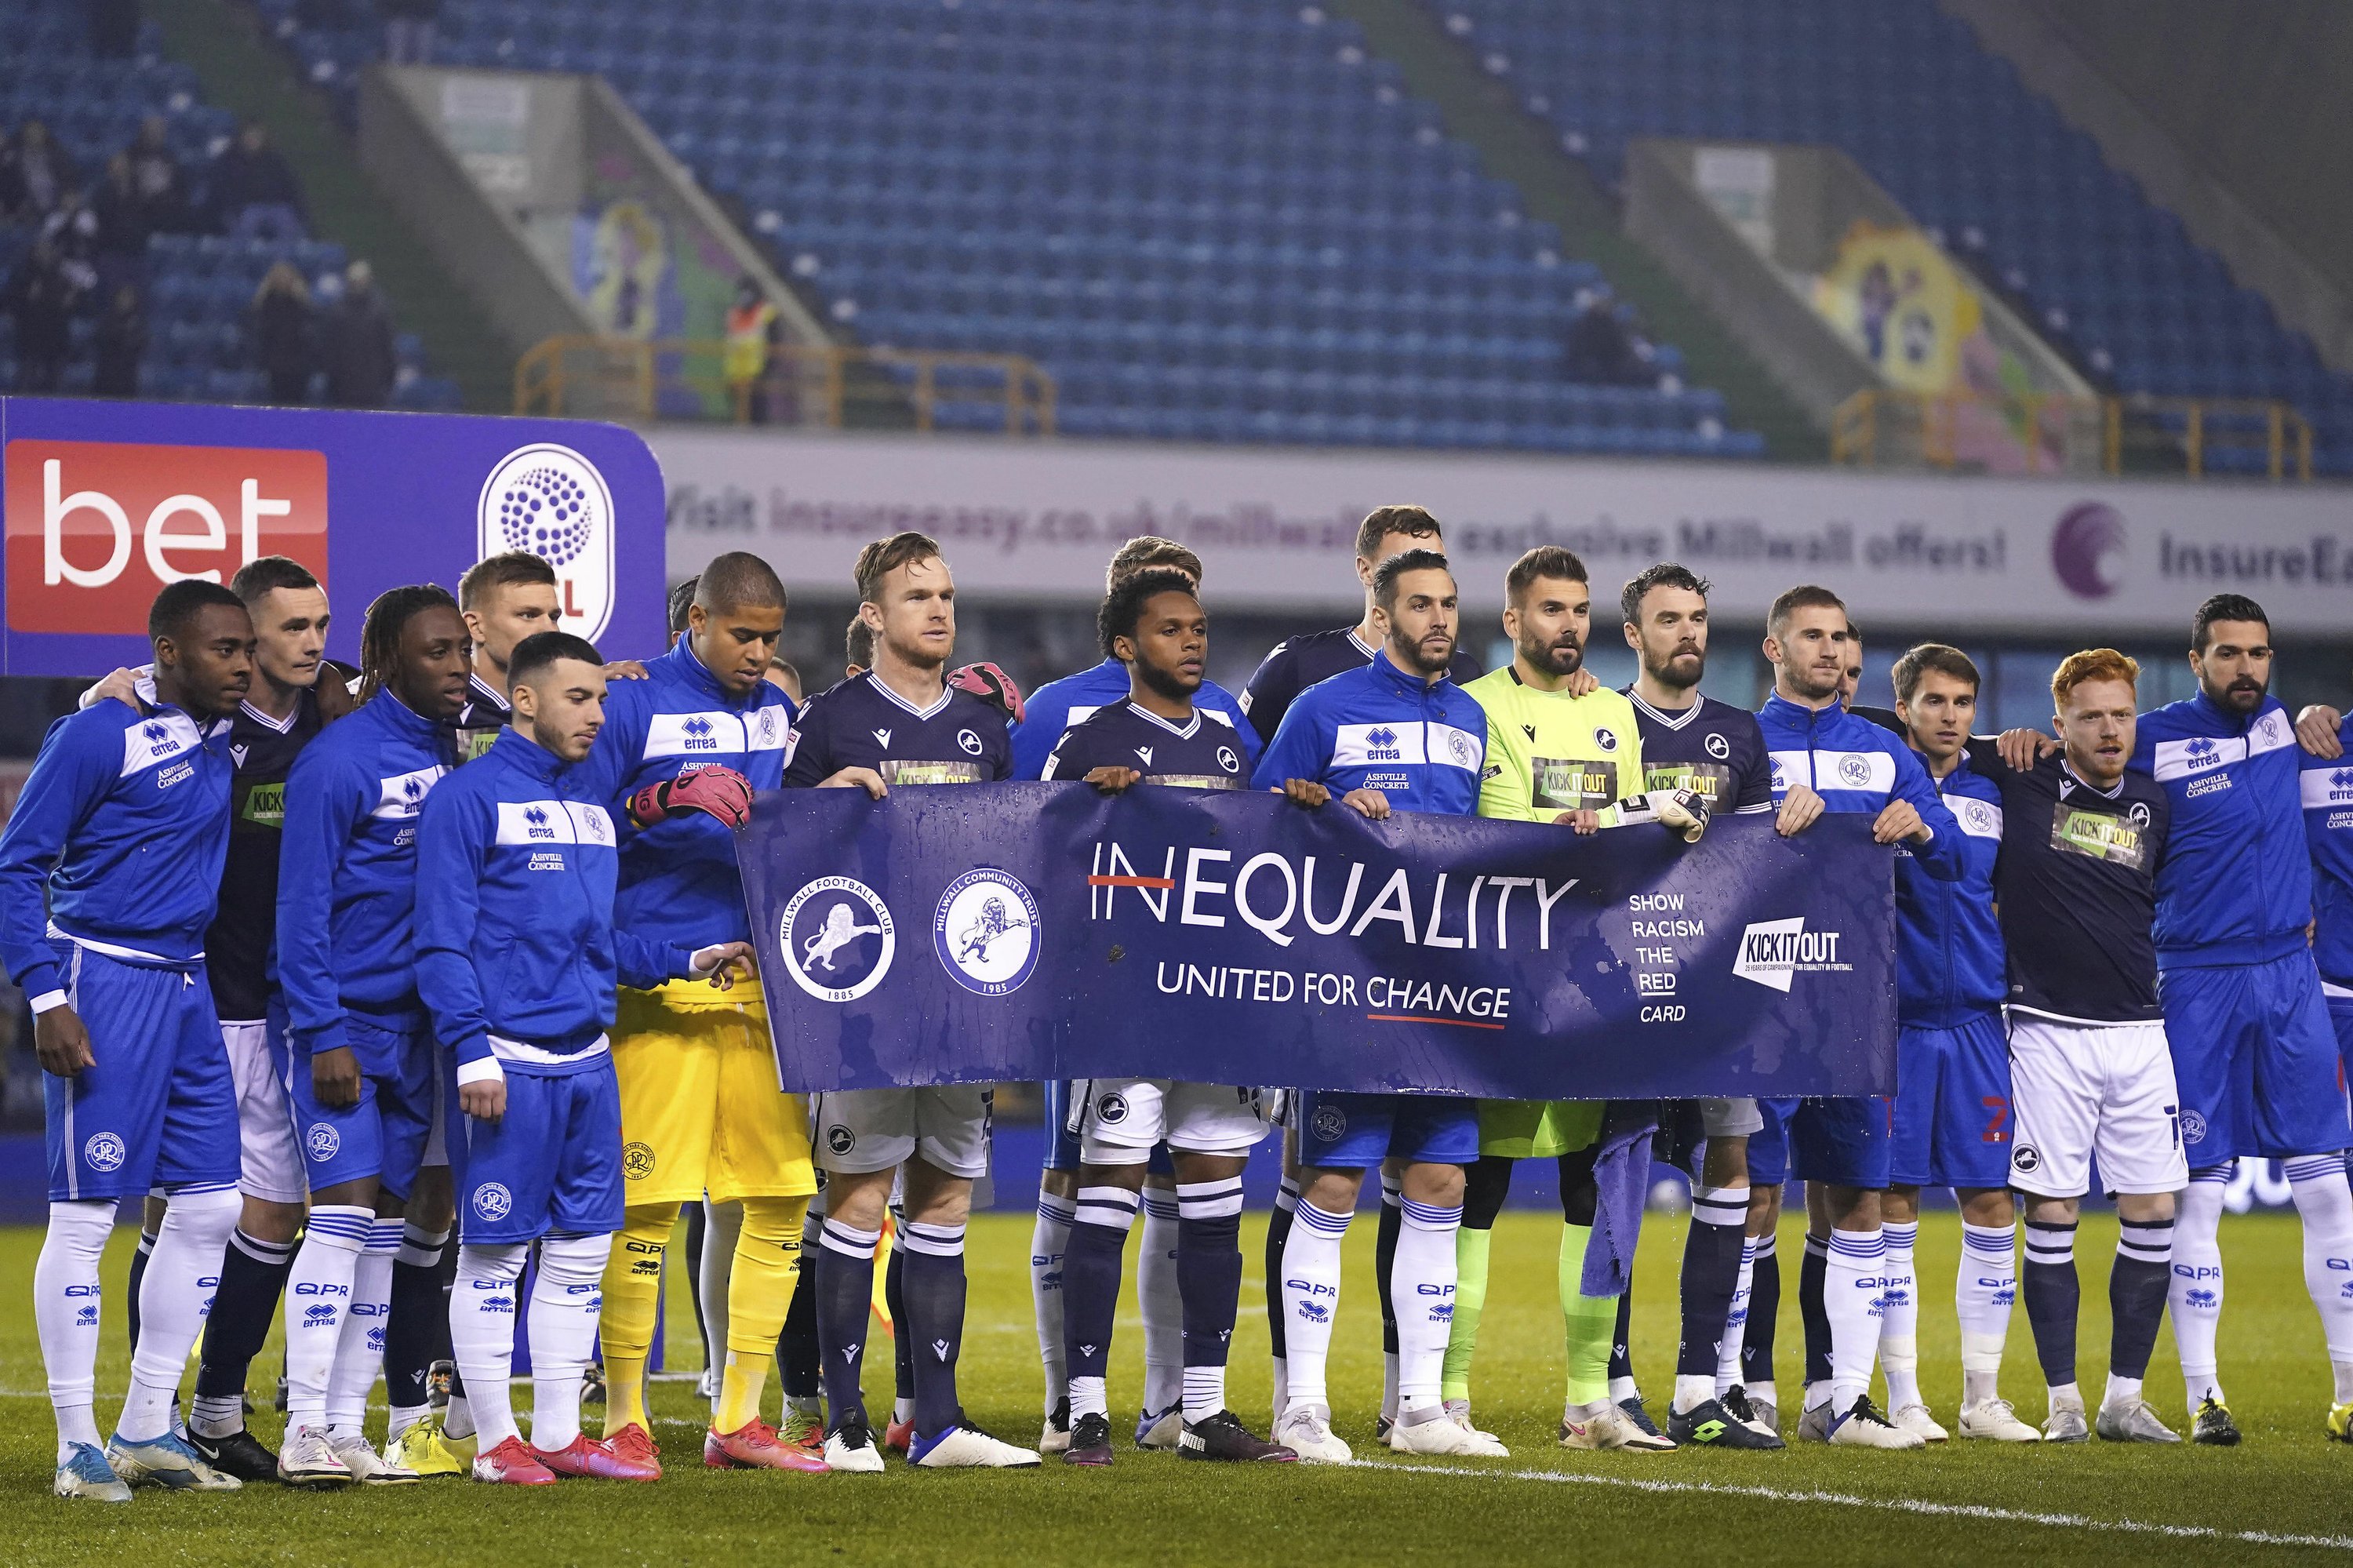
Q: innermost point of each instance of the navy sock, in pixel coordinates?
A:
(2136, 1291)
(894, 1297)
(417, 1333)
(2054, 1296)
(1621, 1339)
(1711, 1278)
(1278, 1236)
(933, 1325)
(1209, 1267)
(1764, 1315)
(1813, 1311)
(845, 1302)
(799, 1362)
(245, 1304)
(1385, 1245)
(1093, 1259)
(131, 1286)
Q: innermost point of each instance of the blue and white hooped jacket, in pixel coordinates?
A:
(2236, 884)
(1856, 765)
(1950, 964)
(1422, 744)
(517, 955)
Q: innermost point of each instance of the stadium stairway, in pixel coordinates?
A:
(241, 73)
(1516, 146)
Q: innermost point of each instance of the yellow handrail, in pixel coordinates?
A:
(2050, 432)
(802, 383)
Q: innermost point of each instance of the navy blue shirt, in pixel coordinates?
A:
(862, 723)
(1204, 754)
(1712, 748)
(237, 944)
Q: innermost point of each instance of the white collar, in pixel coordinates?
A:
(1671, 720)
(946, 692)
(1186, 733)
(283, 727)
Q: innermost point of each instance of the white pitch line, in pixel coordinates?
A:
(1895, 1505)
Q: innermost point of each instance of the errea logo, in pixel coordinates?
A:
(537, 817)
(2201, 753)
(698, 734)
(1381, 745)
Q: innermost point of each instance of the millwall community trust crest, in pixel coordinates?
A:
(986, 931)
(838, 938)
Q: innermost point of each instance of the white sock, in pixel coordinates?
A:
(1984, 1289)
(359, 1349)
(482, 1336)
(318, 1298)
(1164, 1306)
(2194, 1295)
(565, 1301)
(1421, 1287)
(722, 1225)
(1899, 1323)
(175, 1299)
(1311, 1298)
(1853, 1259)
(1735, 1322)
(2120, 1390)
(1392, 1197)
(1048, 1239)
(2326, 1203)
(66, 1312)
(1286, 1198)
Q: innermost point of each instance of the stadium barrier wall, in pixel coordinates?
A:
(1033, 521)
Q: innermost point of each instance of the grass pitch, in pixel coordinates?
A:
(2285, 1496)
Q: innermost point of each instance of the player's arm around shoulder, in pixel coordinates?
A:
(327, 794)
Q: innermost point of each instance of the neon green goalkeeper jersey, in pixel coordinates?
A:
(1547, 752)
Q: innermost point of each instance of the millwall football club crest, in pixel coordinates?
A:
(986, 931)
(838, 938)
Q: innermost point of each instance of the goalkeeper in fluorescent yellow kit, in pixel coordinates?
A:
(1551, 757)
(701, 1112)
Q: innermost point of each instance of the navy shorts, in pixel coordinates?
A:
(1843, 1140)
(157, 1108)
(1354, 1132)
(384, 1135)
(552, 1163)
(2256, 1061)
(1952, 1107)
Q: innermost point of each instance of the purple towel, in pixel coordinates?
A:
(1622, 1177)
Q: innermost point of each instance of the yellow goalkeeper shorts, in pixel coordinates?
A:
(701, 1111)
(1523, 1129)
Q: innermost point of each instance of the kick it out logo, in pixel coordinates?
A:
(838, 938)
(1773, 953)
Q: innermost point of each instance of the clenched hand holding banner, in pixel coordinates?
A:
(1022, 932)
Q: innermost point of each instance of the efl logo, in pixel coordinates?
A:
(550, 501)
(96, 529)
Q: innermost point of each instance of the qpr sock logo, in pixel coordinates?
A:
(986, 931)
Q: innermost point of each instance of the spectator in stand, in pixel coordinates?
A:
(121, 346)
(41, 297)
(119, 214)
(1598, 349)
(361, 361)
(285, 336)
(163, 184)
(71, 230)
(254, 191)
(749, 359)
(42, 174)
(409, 27)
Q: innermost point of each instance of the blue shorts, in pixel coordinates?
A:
(158, 1108)
(552, 1163)
(2340, 1018)
(1843, 1140)
(1062, 1143)
(384, 1135)
(1952, 1107)
(2256, 1061)
(1352, 1132)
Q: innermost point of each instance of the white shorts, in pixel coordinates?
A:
(861, 1130)
(270, 1164)
(2080, 1090)
(1734, 1118)
(1121, 1119)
